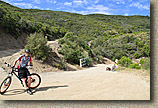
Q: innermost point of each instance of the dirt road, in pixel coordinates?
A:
(90, 84)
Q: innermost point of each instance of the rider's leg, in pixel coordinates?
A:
(28, 78)
(28, 85)
(24, 82)
(28, 81)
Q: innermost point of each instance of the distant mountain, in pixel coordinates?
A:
(55, 24)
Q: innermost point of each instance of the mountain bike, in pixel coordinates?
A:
(35, 80)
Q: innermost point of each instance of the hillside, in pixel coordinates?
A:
(111, 36)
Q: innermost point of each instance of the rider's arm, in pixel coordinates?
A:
(15, 62)
(31, 61)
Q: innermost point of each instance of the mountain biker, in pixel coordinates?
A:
(115, 65)
(23, 71)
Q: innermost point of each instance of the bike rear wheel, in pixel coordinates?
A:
(35, 80)
(5, 85)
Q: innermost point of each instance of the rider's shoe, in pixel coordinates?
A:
(29, 91)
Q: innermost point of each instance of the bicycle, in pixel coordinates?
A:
(114, 67)
(35, 80)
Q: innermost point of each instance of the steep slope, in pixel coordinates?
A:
(7, 41)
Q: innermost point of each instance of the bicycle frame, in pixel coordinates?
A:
(13, 73)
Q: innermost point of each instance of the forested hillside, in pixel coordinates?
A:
(91, 36)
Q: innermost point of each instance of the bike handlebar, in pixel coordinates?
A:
(8, 65)
(13, 68)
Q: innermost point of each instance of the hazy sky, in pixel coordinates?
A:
(109, 7)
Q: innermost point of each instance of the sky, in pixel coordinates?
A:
(108, 7)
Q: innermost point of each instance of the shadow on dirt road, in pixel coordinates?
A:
(49, 87)
(21, 91)
(14, 92)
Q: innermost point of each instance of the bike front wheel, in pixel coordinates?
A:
(5, 85)
(35, 80)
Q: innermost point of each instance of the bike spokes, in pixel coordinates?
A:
(35, 80)
(5, 85)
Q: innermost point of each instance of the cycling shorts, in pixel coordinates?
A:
(23, 73)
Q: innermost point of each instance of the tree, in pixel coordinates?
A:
(37, 45)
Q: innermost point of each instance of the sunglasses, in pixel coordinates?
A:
(27, 52)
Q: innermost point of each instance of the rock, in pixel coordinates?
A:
(107, 61)
(71, 67)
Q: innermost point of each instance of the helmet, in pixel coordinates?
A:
(27, 50)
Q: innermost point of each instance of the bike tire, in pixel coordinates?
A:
(33, 80)
(7, 85)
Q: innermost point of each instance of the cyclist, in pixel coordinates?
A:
(23, 71)
(115, 65)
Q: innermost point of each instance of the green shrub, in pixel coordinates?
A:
(146, 64)
(68, 35)
(100, 58)
(37, 45)
(74, 48)
(138, 67)
(61, 41)
(133, 66)
(89, 61)
(60, 65)
(136, 55)
(141, 61)
(118, 55)
(124, 61)
(71, 53)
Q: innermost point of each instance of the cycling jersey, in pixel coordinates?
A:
(23, 63)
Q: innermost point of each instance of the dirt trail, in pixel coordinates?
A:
(90, 84)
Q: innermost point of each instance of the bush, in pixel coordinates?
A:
(100, 58)
(89, 61)
(118, 55)
(134, 66)
(72, 55)
(141, 61)
(68, 35)
(146, 64)
(138, 67)
(124, 61)
(37, 45)
(136, 55)
(74, 48)
(61, 41)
